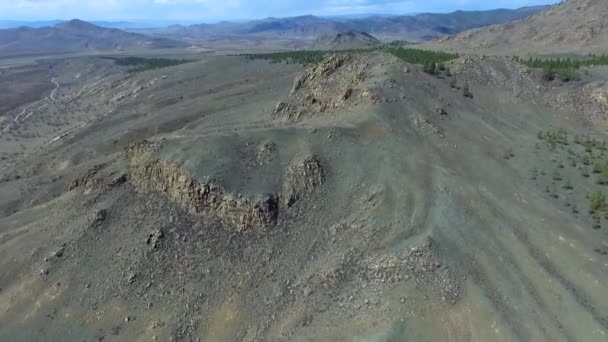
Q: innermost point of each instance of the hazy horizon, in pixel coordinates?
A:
(193, 11)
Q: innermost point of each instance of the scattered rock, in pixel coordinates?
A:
(303, 176)
(441, 111)
(100, 216)
(88, 182)
(119, 180)
(154, 238)
(59, 252)
(266, 150)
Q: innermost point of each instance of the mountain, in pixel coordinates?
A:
(572, 26)
(418, 27)
(344, 41)
(6, 24)
(75, 36)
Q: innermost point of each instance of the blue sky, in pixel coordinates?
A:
(212, 10)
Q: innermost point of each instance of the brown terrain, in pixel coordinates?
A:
(359, 198)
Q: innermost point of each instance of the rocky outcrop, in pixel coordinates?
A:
(204, 197)
(334, 83)
(303, 176)
(141, 148)
(420, 264)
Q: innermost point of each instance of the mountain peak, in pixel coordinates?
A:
(77, 24)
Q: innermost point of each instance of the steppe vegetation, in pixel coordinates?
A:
(566, 69)
(430, 59)
(579, 172)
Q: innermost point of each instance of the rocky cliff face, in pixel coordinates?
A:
(207, 197)
(200, 197)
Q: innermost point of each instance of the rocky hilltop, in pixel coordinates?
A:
(376, 201)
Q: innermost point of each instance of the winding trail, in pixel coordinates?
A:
(52, 96)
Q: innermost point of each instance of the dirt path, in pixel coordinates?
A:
(52, 96)
(18, 117)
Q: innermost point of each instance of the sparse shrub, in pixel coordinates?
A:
(597, 202)
(553, 191)
(597, 167)
(557, 176)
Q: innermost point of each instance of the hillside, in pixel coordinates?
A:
(344, 41)
(361, 198)
(75, 36)
(577, 26)
(418, 27)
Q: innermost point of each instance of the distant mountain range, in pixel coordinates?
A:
(75, 36)
(123, 25)
(420, 27)
(344, 41)
(573, 26)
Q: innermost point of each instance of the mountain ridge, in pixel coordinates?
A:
(75, 36)
(419, 27)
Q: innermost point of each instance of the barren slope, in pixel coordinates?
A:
(576, 26)
(373, 202)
